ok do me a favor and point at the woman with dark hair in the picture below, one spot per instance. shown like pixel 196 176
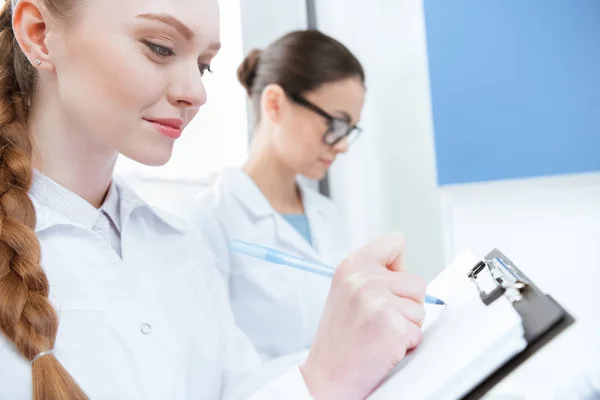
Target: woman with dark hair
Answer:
pixel 307 91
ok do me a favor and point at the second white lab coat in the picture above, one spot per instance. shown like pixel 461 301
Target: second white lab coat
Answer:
pixel 277 307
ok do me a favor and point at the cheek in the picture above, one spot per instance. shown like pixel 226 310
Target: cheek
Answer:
pixel 300 143
pixel 311 139
pixel 295 137
pixel 107 85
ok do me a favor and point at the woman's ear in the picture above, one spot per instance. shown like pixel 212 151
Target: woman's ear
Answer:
pixel 273 102
pixel 29 27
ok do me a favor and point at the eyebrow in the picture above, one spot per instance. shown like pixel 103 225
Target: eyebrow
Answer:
pixel 172 21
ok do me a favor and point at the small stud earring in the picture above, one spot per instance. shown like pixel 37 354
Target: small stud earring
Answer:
pixel 37 61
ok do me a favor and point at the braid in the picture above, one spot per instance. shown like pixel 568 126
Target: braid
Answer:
pixel 26 316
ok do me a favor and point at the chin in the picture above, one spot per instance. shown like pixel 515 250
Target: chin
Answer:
pixel 154 157
pixel 315 175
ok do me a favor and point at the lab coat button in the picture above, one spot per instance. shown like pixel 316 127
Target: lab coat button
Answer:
pixel 146 329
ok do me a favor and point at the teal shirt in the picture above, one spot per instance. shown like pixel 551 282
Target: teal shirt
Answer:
pixel 300 223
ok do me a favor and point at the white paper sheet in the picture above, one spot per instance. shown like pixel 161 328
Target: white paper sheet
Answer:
pixel 464 341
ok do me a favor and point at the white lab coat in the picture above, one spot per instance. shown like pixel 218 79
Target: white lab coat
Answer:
pixel 277 307
pixel 155 324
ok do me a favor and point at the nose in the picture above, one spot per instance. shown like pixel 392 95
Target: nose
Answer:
pixel 341 146
pixel 187 89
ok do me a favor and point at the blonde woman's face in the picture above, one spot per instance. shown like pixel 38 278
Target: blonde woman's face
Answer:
pixel 129 73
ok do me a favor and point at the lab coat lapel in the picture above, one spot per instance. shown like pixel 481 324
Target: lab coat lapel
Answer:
pixel 322 227
pixel 249 196
pixel 290 240
pixel 317 222
pixel 287 239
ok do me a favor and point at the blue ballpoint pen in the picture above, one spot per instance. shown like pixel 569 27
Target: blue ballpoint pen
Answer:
pixel 277 257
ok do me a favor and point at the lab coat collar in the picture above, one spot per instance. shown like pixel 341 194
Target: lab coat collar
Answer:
pixel 246 192
pixel 251 197
pixel 313 200
pixel 54 196
pixel 48 216
pixel 112 206
pixel 243 188
pixel 131 201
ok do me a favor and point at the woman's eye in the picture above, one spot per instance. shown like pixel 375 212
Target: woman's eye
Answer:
pixel 204 68
pixel 163 51
pixel 159 50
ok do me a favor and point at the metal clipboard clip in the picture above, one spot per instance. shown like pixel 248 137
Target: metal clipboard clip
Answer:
pixel 496 277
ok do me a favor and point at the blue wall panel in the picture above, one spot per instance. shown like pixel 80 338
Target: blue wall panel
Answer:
pixel 515 87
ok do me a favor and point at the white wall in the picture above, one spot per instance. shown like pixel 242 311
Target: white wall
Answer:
pixel 388 180
pixel 265 20
pixel 550 227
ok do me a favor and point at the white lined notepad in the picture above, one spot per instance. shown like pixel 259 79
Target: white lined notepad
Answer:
pixel 462 345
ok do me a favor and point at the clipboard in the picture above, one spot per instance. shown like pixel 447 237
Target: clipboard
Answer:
pixel 543 318
pixel 499 319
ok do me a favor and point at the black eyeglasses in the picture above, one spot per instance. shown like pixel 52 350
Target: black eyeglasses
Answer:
pixel 339 128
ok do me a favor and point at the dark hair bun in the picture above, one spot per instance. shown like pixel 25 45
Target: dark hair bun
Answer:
pixel 247 70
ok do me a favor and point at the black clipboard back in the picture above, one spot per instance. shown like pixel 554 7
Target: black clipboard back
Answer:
pixel 543 318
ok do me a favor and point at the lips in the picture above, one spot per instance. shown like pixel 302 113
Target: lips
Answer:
pixel 170 127
pixel 326 162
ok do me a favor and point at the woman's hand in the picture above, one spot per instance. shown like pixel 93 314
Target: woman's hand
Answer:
pixel 373 316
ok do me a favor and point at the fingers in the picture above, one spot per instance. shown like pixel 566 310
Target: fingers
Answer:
pixel 408 335
pixel 414 336
pixel 404 284
pixel 387 251
pixel 411 310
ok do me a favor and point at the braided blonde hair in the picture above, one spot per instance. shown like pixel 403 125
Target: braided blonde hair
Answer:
pixel 26 316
